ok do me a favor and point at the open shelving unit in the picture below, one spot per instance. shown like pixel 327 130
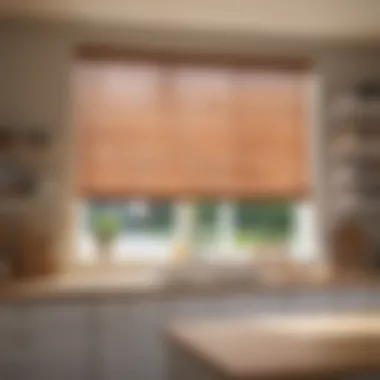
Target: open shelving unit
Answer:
pixel 25 168
pixel 354 173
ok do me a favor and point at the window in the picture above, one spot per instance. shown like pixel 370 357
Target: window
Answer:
pixel 145 229
pixel 160 231
pixel 175 160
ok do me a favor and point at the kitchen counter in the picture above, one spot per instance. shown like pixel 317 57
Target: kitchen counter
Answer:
pixel 328 346
pixel 153 282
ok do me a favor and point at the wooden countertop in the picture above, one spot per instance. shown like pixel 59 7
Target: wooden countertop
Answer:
pixel 284 347
pixel 84 283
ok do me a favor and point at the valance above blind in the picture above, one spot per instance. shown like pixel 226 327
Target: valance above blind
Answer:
pixel 156 130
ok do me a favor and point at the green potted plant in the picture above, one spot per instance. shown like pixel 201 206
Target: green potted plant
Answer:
pixel 105 226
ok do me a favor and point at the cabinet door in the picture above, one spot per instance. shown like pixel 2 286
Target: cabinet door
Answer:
pixel 132 340
pixel 245 305
pixel 13 343
pixel 373 298
pixel 228 306
pixel 307 301
pixel 349 300
pixel 59 342
pixel 198 307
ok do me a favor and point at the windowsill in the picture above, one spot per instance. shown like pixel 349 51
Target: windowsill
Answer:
pixel 195 270
pixel 150 282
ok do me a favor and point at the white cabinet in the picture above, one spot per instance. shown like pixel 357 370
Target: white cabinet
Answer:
pixel 306 301
pixel 348 300
pixel 245 305
pixel 201 307
pixel 373 298
pixel 132 340
pixel 123 338
pixel 59 341
pixel 13 343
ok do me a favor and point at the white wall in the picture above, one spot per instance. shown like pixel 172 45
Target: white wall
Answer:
pixel 35 72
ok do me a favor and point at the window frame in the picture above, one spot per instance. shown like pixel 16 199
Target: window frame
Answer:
pixel 101 52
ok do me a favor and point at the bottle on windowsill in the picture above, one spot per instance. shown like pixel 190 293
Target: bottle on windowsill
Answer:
pixel 180 254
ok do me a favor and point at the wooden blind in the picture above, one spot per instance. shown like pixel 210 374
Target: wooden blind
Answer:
pixel 150 129
pixel 272 133
pixel 204 122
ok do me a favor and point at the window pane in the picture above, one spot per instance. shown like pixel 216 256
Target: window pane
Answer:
pixel 150 217
pixel 206 218
pixel 263 223
pixel 154 229
pixel 144 228
pixel 136 216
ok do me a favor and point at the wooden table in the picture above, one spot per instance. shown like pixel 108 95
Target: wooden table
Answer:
pixel 337 346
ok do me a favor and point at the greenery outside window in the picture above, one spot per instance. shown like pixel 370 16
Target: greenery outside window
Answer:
pixel 162 231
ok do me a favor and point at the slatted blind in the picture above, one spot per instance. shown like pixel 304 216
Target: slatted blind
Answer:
pixel 150 129
pixel 204 121
pixel 272 133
